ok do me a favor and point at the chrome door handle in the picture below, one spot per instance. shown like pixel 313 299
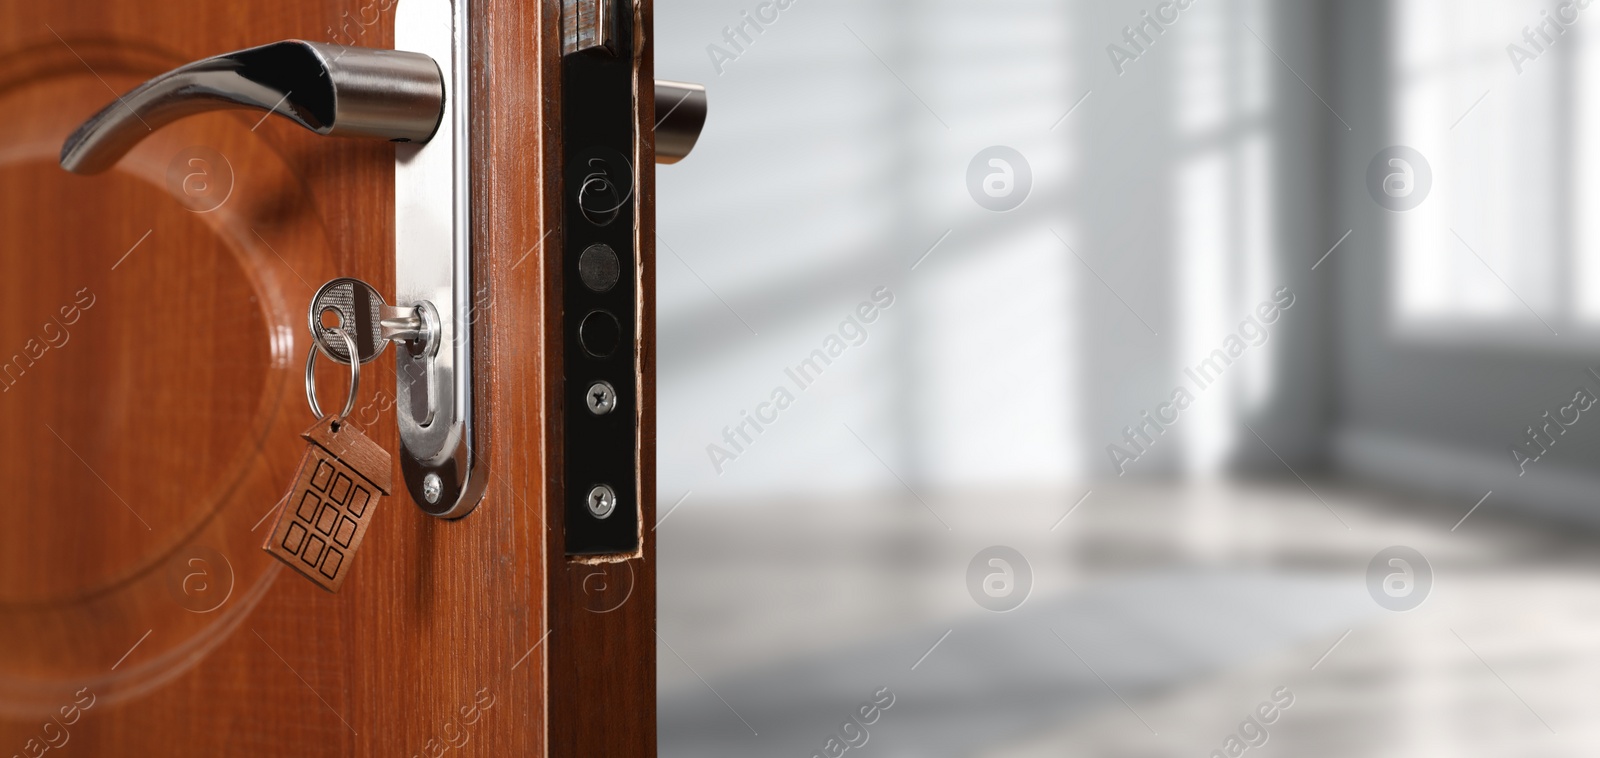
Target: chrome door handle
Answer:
pixel 332 90
pixel 680 116
pixel 418 97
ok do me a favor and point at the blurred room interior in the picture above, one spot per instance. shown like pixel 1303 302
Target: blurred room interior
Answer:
pixel 1419 383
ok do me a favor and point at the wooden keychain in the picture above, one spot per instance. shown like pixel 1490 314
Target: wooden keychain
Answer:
pixel 336 490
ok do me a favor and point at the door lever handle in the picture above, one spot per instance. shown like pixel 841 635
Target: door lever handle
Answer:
pixel 329 89
pixel 680 117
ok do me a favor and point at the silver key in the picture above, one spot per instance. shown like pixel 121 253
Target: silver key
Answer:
pixel 356 307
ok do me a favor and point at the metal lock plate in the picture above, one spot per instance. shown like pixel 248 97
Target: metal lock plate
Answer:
pixel 433 264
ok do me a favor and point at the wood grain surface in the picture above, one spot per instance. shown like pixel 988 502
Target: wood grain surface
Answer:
pixel 152 334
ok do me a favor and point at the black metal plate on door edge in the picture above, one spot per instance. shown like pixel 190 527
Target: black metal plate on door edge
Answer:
pixel 600 211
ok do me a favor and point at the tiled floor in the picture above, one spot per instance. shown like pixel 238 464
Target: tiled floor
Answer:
pixel 1159 618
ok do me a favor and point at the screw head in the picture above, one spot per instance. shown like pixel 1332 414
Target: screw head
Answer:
pixel 432 487
pixel 602 501
pixel 601 398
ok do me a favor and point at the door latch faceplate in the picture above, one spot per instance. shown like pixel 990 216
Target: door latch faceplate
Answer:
pixel 600 278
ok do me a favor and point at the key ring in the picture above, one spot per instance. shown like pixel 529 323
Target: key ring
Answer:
pixel 311 375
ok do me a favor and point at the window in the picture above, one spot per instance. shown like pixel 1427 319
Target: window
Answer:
pixel 1223 228
pixel 1490 98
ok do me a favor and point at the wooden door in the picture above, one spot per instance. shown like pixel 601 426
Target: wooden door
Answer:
pixel 152 340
